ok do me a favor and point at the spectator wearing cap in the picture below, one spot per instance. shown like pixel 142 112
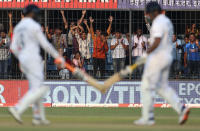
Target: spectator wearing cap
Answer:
pixel 4 54
pixel 119 45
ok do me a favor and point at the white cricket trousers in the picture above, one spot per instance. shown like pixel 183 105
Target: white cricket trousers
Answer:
pixel 155 80
pixel 34 73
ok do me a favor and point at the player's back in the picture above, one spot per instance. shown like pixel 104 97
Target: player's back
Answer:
pixel 162 27
pixel 25 43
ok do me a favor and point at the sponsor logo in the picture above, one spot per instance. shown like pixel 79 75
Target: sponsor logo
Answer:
pixel 76 93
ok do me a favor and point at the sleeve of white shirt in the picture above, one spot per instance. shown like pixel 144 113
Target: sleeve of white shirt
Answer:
pixel 7 43
pixel 14 47
pixel 145 39
pixel 45 44
pixel 148 27
pixel 64 36
pixel 157 30
pixel 126 42
pixel 179 42
pixel 132 41
pixel 88 38
pixel 70 35
pixel 78 37
pixel 113 42
pixel 135 40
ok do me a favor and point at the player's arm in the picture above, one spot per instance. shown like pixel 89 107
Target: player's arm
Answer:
pixel 157 33
pixel 154 46
pixel 59 60
pixel 45 44
pixel 14 46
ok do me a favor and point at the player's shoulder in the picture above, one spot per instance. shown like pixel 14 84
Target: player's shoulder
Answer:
pixel 161 19
pixel 35 24
pixel 29 24
pixel 32 24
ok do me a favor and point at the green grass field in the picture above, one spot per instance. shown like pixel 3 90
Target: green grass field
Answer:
pixel 100 119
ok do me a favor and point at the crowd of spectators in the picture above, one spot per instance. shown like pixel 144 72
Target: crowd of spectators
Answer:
pixel 93 50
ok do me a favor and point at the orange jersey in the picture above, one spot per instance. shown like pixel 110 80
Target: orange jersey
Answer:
pixel 99 48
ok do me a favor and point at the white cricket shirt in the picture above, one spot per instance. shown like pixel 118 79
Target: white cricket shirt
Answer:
pixel 27 39
pixel 162 28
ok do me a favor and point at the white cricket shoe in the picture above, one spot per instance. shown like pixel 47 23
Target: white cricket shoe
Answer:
pixel 37 122
pixel 185 111
pixel 15 114
pixel 142 122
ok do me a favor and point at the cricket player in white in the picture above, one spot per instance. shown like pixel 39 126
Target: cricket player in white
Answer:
pixel 27 39
pixel 159 59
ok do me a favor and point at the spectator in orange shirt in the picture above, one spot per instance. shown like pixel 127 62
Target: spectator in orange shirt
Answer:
pixel 100 48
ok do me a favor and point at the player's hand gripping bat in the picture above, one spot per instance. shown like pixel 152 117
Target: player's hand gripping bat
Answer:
pixel 81 75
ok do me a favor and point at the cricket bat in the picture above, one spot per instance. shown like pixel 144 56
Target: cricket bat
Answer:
pixel 82 75
pixel 122 74
pixel 87 78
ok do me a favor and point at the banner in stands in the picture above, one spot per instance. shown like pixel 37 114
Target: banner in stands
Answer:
pixel 166 4
pixel 102 4
pixel 80 94
pixel 72 4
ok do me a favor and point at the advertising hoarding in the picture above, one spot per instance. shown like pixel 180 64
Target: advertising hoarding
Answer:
pixel 80 94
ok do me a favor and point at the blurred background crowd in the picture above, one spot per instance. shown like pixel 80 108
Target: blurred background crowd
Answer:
pixel 99 49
